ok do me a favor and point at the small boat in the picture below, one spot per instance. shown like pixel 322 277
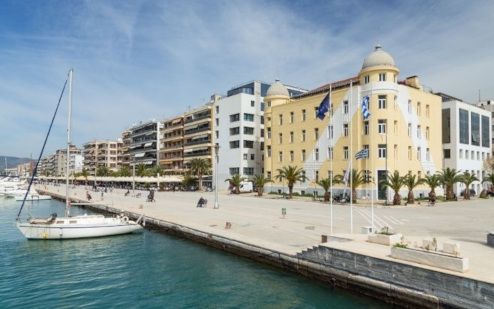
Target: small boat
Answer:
pixel 33 197
pixel 72 227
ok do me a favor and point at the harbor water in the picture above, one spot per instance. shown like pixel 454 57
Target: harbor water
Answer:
pixel 145 270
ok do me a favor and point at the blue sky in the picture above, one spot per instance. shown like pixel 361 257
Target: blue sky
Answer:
pixel 139 60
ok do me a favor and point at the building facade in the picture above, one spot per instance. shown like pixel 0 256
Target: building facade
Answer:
pixel 488 105
pixel 102 153
pixel 172 145
pixel 466 137
pixel 239 130
pixel 126 141
pixel 403 131
pixel 144 145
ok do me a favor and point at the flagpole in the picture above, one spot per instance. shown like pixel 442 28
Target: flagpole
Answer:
pixel 331 162
pixel 351 156
pixel 370 158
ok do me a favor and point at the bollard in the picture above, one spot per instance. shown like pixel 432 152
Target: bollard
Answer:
pixel 324 238
pixel 283 212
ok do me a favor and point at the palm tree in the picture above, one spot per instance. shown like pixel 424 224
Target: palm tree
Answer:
pixel 467 179
pixel 326 185
pixel 411 181
pixel 188 180
pixel 124 171
pixel 395 182
pixel 489 178
pixel 260 181
pixel 154 171
pixel 358 179
pixel 200 167
pixel 449 177
pixel 292 174
pixel 142 170
pixel 235 182
pixel 433 181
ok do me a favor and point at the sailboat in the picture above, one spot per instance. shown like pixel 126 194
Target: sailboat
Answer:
pixel 72 227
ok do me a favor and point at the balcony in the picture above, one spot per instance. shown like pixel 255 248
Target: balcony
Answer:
pixel 197 142
pixel 197 154
pixel 197 130
pixel 198 117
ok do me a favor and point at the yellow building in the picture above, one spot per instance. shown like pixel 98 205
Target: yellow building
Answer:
pixel 402 133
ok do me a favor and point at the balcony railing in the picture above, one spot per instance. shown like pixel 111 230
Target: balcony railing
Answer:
pixel 197 142
pixel 197 154
pixel 196 130
pixel 189 120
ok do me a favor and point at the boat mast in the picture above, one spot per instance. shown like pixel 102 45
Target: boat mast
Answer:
pixel 67 157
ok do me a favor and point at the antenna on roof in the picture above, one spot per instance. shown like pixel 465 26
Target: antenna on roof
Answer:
pixel 479 95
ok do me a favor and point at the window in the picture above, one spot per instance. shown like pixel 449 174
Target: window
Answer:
pixel 345 107
pixel 447 153
pixel 446 126
pixel 269 174
pixel 234 144
pixel 381 126
pixel 252 103
pixel 304 115
pixel 317 176
pixel 249 130
pixel 280 119
pixel 234 117
pixel 381 101
pixel 280 156
pixel 409 130
pixel 330 152
pixel 217 134
pixel 248 144
pixel 461 154
pixel 409 106
pixel 464 130
pixel 395 126
pixel 427 154
pixel 268 149
pixel 252 156
pixel 330 132
pixel 330 174
pixel 395 151
pixel 303 135
pixel 262 132
pixel 234 171
pixel 315 111
pixel 418 108
pixel 475 134
pixel 291 117
pixel 419 135
pixel 248 171
pixel 427 111
pixel 345 152
pixel 466 154
pixel 381 151
pixel 316 133
pixel 366 127
pixel 409 152
pixel 366 79
pixel 280 138
pixel 246 156
pixel 368 150
pixel 262 106
pixel 262 119
pixel 419 153
pixel 217 122
pixel 382 77
pixel 217 109
pixel 303 155
pixel 235 131
pixel 291 137
pixel 248 117
pixel 291 156
pixel 316 154
pixel 345 129
pixel 269 132
pixel 485 131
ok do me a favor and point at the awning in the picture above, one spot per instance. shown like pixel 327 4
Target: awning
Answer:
pixel 148 144
pixel 139 155
pixel 176 121
pixel 199 137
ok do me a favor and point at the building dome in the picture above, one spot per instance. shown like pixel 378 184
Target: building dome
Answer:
pixel 378 57
pixel 277 89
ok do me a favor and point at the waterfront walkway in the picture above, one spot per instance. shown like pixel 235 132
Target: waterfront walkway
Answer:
pixel 259 221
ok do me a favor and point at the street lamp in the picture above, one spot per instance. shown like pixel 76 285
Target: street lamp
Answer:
pixel 216 150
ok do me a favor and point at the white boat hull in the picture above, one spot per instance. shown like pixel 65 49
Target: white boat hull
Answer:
pixel 77 227
pixel 33 197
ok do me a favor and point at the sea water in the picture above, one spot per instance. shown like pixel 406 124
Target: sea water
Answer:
pixel 144 270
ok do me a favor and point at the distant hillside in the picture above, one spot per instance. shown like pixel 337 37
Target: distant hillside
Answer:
pixel 11 161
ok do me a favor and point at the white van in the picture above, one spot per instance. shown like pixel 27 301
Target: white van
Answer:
pixel 246 186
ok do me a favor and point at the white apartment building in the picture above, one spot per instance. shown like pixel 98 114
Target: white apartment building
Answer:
pixel 466 137
pixel 239 130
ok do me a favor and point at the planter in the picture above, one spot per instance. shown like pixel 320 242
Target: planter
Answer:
pixel 383 239
pixel 435 259
pixel 490 239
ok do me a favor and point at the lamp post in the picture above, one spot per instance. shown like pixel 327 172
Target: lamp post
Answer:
pixel 216 150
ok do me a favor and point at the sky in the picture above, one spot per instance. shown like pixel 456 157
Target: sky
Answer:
pixel 141 60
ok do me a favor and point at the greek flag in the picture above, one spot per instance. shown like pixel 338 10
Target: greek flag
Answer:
pixel 365 107
pixel 323 107
pixel 362 154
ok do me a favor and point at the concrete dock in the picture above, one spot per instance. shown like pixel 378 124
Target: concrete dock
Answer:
pixel 257 229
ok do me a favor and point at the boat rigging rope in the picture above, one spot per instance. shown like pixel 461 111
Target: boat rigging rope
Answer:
pixel 42 150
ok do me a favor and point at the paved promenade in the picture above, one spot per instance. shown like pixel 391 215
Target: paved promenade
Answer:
pixel 259 221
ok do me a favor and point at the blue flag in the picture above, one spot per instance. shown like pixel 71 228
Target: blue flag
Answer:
pixel 323 107
pixel 365 107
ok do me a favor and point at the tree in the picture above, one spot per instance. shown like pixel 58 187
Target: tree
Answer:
pixel 85 174
pixel 235 182
pixel 467 179
pixel 154 171
pixel 124 171
pixel 260 181
pixel 102 171
pixel 489 178
pixel 394 182
pixel 292 174
pixel 142 170
pixel 200 167
pixel 411 181
pixel 433 181
pixel 188 181
pixel 449 177
pixel 358 179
